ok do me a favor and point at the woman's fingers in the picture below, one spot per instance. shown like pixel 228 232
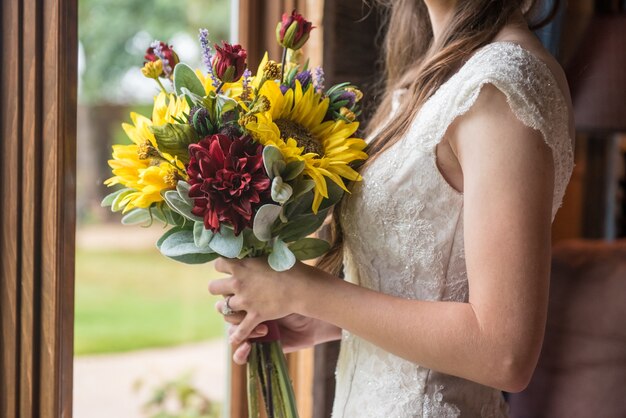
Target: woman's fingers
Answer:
pixel 259 331
pixel 224 286
pixel 235 318
pixel 240 356
pixel 244 329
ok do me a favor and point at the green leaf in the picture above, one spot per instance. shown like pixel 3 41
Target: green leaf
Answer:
pixel 302 226
pixel 178 204
pixel 137 216
pixel 201 235
pixel 281 257
pixel 293 170
pixel 180 245
pixel 281 191
pixel 300 204
pixel 335 193
pixel 271 155
pixel 225 104
pixel 174 139
pixel 196 258
pixel 168 233
pixel 108 199
pixel 226 244
pixel 182 187
pixel 188 258
pixel 117 205
pixel 264 221
pixel 301 186
pixel 309 248
pixel 184 76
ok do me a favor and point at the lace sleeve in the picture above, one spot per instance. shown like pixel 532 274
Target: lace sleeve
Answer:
pixel 531 91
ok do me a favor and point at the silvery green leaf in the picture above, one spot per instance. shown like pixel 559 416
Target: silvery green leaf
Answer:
pixel 278 167
pixel 309 248
pixel 185 76
pixel 195 99
pixel 177 203
pixel 182 187
pixel 281 258
pixel 293 170
pixel 181 243
pixel 137 216
pixel 281 191
pixel 201 235
pixel 117 205
pixel 226 244
pixel 108 199
pixel 225 103
pixel 264 220
pixel 271 155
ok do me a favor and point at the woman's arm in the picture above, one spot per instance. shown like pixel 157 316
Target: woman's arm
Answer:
pixel 494 339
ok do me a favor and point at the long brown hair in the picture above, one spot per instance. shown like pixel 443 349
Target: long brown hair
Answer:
pixel 414 61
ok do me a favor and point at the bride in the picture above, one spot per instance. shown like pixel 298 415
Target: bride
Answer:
pixel 445 244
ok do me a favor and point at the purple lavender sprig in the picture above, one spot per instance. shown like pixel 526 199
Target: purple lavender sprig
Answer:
pixel 167 69
pixel 319 79
pixel 207 56
pixel 245 95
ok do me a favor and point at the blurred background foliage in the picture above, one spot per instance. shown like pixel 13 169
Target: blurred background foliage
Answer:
pixel 114 35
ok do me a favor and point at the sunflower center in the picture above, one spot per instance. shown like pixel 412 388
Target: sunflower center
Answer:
pixel 302 136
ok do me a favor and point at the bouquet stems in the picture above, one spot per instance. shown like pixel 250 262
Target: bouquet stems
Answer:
pixel 267 373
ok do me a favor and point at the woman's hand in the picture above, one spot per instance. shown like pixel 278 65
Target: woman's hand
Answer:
pixel 296 332
pixel 258 293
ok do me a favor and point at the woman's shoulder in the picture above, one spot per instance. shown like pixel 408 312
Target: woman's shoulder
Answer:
pixel 524 70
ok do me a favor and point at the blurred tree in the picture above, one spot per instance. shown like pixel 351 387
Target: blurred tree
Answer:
pixel 115 33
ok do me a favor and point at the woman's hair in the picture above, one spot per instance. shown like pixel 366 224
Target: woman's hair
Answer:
pixel 413 61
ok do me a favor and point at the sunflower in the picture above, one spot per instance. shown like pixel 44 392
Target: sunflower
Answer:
pixel 295 124
pixel 141 166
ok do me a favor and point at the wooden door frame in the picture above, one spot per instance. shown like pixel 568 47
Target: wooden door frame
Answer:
pixel 38 78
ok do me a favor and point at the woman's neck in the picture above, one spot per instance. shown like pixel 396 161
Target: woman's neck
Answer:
pixel 440 12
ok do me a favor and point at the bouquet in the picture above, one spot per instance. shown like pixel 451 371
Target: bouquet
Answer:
pixel 240 165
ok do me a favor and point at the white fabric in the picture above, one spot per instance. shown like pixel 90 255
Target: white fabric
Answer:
pixel 403 229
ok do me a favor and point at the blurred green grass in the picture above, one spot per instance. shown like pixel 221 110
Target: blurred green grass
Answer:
pixel 129 300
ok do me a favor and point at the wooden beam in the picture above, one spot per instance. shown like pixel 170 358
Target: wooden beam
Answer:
pixel 38 124
pixel 10 128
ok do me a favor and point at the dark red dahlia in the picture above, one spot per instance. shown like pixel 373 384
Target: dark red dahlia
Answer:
pixel 228 181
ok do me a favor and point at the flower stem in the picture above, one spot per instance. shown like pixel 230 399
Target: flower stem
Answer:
pixel 219 88
pixel 161 85
pixel 253 381
pixel 282 67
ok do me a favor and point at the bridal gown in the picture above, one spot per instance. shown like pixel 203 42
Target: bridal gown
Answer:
pixel 403 229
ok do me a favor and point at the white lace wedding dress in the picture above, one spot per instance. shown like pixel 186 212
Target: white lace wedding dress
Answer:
pixel 403 227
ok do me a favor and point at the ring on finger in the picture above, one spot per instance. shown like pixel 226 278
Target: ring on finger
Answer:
pixel 226 309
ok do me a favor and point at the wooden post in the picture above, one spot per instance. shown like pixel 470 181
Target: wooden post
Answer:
pixel 37 164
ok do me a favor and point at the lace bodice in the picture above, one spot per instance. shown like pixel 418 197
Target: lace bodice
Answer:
pixel 403 229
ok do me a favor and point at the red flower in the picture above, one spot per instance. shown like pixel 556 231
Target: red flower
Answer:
pixel 228 181
pixel 293 31
pixel 167 52
pixel 229 62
